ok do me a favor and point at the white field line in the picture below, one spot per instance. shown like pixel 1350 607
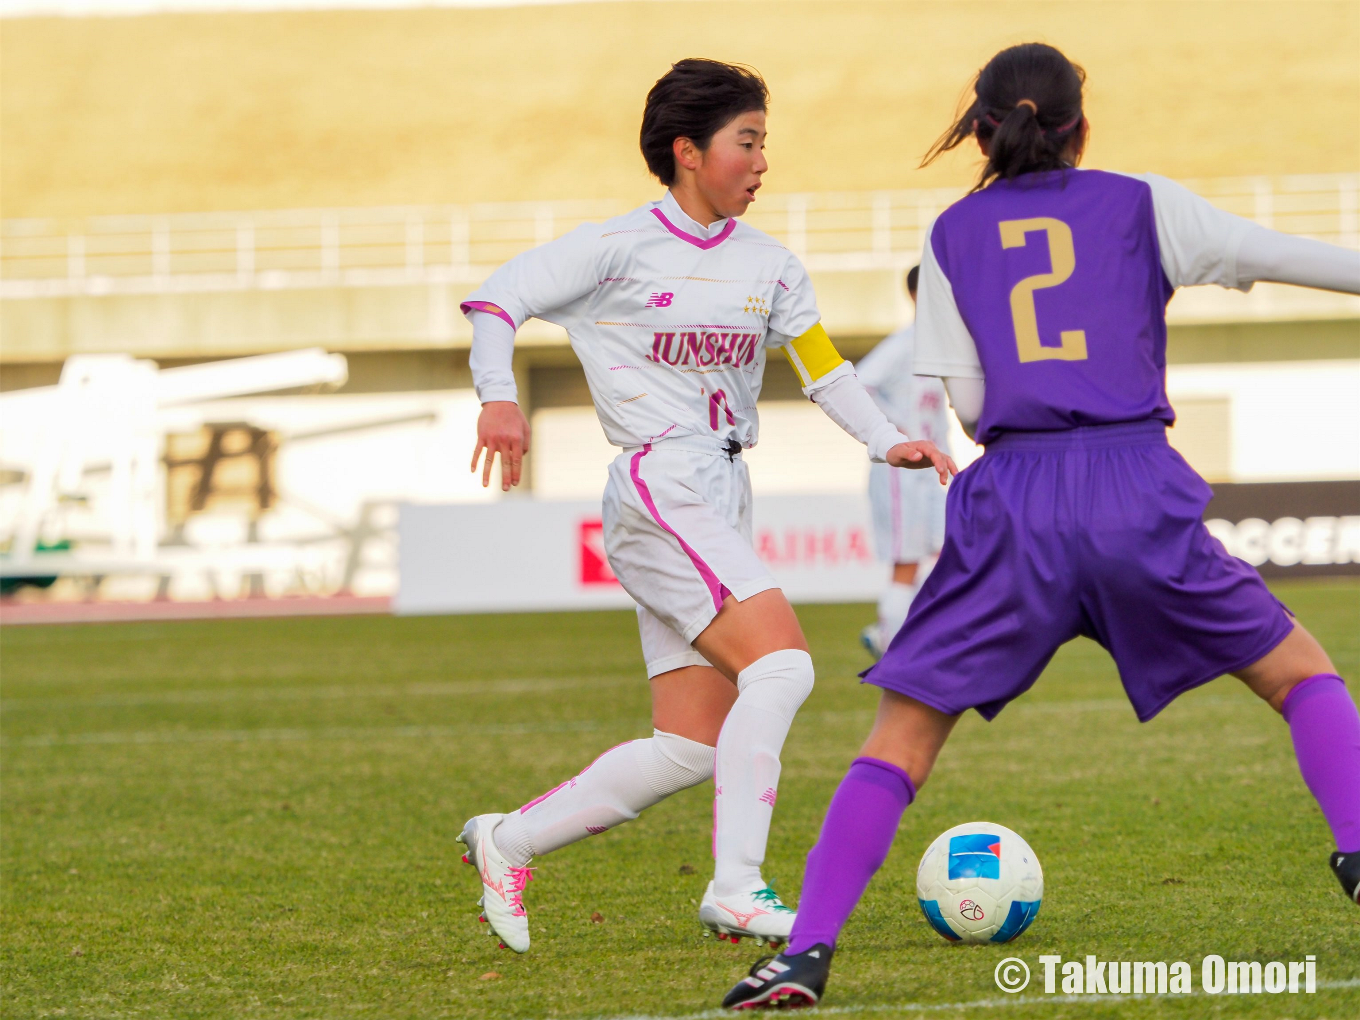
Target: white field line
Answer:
pixel 322 733
pixel 182 736
pixel 319 693
pixel 949 1007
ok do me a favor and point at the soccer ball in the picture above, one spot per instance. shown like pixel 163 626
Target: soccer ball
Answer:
pixel 979 882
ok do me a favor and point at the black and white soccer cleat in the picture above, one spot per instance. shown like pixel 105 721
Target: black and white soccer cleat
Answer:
pixel 1346 867
pixel 784 982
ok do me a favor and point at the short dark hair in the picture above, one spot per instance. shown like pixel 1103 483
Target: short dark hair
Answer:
pixel 693 100
pixel 1027 104
pixel 913 274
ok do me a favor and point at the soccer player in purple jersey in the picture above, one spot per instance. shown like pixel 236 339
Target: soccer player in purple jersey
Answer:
pixel 1042 305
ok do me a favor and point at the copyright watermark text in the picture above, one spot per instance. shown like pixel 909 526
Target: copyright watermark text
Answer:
pixel 1093 976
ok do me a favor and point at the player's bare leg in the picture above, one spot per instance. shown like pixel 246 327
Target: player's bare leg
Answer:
pixel 759 645
pixel 1298 680
pixel 1293 660
pixel 692 701
pixel 908 734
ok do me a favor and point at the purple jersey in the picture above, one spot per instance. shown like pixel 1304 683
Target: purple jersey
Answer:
pixel 1059 280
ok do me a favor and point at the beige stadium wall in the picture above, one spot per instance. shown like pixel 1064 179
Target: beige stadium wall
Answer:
pixel 268 110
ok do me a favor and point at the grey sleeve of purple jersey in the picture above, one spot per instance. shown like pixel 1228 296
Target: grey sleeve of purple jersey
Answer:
pixel 1198 241
pixel 944 347
pixel 1201 243
pixel 1283 258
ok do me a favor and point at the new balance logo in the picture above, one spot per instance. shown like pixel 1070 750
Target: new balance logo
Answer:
pixel 660 300
pixel 769 796
pixel 595 830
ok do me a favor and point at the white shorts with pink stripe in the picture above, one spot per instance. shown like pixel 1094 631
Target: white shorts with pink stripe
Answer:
pixel 677 531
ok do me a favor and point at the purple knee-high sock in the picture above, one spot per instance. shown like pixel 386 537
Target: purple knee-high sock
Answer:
pixel 1326 729
pixel 859 828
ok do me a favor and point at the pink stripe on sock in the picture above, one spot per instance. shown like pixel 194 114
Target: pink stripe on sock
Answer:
pixel 698 242
pixel 542 797
pixel 717 791
pixel 715 587
pixel 487 306
pixel 602 754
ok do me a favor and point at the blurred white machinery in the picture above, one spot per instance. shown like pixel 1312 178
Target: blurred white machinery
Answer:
pixel 88 454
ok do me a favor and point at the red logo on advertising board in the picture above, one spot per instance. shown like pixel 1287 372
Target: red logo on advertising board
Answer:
pixel 814 547
pixel 594 566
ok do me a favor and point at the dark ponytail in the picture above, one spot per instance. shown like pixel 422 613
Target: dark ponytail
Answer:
pixel 1026 104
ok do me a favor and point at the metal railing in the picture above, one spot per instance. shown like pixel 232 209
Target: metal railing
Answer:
pixel 386 246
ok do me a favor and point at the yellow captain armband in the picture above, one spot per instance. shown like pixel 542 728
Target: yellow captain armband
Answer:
pixel 813 355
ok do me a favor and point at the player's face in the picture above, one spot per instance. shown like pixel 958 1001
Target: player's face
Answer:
pixel 728 172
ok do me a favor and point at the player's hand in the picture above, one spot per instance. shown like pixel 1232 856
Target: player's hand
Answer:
pixel 922 454
pixel 501 429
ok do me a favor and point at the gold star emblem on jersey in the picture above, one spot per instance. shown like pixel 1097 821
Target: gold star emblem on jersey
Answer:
pixel 756 306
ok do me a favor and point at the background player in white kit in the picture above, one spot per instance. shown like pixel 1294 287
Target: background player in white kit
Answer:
pixel 908 515
pixel 671 309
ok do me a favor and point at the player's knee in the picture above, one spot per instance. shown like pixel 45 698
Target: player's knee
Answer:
pixel 784 680
pixel 1295 659
pixel 672 763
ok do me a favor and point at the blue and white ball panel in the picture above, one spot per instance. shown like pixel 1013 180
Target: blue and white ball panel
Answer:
pixel 975 855
pixel 979 882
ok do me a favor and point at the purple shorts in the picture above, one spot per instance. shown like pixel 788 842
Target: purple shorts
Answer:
pixel 1094 531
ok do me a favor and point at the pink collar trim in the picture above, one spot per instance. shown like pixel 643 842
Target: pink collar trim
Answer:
pixel 698 242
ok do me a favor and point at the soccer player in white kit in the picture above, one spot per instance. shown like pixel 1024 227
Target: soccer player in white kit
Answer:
pixel 908 516
pixel 672 309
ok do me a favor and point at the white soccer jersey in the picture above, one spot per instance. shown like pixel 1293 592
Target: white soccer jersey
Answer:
pixel 914 403
pixel 671 320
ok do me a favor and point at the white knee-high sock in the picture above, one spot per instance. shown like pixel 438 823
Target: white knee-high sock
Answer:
pixel 893 606
pixel 747 775
pixel 614 788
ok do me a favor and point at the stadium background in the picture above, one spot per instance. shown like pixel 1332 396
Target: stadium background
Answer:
pixel 140 151
pixel 253 818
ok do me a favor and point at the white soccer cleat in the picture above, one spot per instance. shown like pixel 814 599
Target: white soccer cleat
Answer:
pixel 502 899
pixel 759 915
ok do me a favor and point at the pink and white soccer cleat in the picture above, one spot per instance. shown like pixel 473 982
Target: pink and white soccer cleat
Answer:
pixel 759 915
pixel 502 883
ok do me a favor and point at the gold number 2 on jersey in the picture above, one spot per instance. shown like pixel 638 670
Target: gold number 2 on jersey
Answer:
pixel 1063 259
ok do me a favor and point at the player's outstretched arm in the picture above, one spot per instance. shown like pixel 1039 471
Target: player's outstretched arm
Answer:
pixel 1200 243
pixel 501 429
pixel 830 382
pixel 922 454
pixel 1270 255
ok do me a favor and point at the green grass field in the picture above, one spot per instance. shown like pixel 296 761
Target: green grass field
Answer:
pixel 256 819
